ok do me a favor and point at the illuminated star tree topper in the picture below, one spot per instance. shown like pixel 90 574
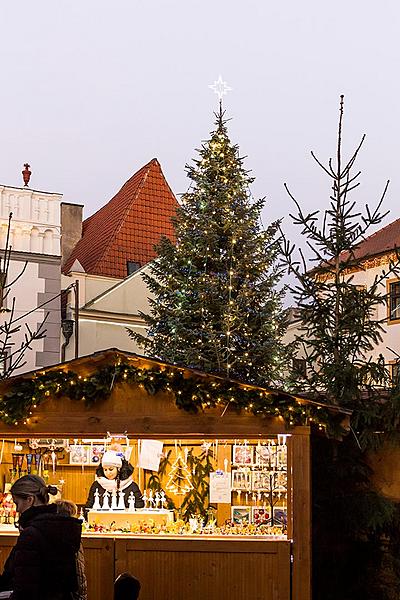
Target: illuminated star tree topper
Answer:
pixel 220 88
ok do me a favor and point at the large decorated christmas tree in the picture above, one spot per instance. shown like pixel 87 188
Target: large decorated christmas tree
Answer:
pixel 215 305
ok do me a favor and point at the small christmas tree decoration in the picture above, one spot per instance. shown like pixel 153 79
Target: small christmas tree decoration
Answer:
pixel 179 479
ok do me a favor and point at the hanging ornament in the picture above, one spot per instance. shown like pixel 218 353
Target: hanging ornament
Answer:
pixel 53 460
pixel 179 479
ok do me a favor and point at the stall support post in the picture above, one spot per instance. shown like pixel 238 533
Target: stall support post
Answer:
pixel 301 573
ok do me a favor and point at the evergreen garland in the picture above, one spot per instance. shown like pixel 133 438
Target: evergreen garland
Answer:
pixel 192 394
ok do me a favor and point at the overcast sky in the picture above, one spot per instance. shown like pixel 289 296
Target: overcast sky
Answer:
pixel 93 89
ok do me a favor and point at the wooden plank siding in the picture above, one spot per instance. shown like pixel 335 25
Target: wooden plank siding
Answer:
pixel 206 569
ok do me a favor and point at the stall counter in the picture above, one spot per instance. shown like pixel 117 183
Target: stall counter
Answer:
pixel 182 567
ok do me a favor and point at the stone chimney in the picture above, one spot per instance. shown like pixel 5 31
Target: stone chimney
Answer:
pixel 71 228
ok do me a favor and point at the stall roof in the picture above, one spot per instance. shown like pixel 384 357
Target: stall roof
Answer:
pixel 55 380
pixel 89 363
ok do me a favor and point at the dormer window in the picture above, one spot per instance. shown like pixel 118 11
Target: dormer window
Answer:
pixel 132 266
pixel 395 373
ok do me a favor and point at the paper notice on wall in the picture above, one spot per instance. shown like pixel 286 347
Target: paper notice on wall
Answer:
pixel 150 454
pixel 220 487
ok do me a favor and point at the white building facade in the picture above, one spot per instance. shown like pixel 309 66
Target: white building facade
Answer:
pixel 34 237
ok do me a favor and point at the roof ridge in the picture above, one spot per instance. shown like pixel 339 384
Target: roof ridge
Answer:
pixel 118 226
pixel 122 186
pixel 139 189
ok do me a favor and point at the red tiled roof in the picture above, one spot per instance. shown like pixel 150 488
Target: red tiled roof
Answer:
pixel 128 226
pixel 383 240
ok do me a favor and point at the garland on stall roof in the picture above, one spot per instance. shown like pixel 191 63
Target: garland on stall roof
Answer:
pixel 192 394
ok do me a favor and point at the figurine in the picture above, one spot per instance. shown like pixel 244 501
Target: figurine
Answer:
pixel 114 500
pixel 162 499
pixel 96 505
pixel 131 502
pixel 106 505
pixel 121 500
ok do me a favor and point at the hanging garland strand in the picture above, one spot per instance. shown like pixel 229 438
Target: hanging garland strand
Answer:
pixel 192 394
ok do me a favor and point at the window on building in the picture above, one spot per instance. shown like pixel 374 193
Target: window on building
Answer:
pixel 300 367
pixel 394 301
pixel 395 373
pixel 132 266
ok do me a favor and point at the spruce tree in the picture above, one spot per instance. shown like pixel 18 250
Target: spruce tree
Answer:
pixel 338 327
pixel 355 529
pixel 216 306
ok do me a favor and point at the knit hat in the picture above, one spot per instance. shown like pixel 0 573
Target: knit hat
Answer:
pixel 111 459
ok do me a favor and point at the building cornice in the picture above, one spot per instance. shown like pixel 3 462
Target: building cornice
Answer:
pixel 29 190
pixel 102 316
pixel 33 257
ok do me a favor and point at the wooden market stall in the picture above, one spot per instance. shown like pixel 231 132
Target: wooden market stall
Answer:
pixel 111 391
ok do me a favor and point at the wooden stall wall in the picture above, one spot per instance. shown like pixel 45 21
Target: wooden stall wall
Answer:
pixel 206 569
pixel 100 567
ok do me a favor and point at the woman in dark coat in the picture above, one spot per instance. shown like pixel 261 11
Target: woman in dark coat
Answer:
pixel 41 566
pixel 114 474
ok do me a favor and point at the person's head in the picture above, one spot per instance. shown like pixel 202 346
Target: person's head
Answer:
pixel 126 587
pixel 67 508
pixel 31 490
pixel 111 463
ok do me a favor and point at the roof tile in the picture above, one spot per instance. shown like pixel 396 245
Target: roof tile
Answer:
pixel 383 240
pixel 128 226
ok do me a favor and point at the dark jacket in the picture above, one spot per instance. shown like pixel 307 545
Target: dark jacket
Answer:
pixel 133 487
pixel 42 564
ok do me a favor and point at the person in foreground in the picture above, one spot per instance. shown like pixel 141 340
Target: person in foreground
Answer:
pixel 69 509
pixel 126 587
pixel 42 564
